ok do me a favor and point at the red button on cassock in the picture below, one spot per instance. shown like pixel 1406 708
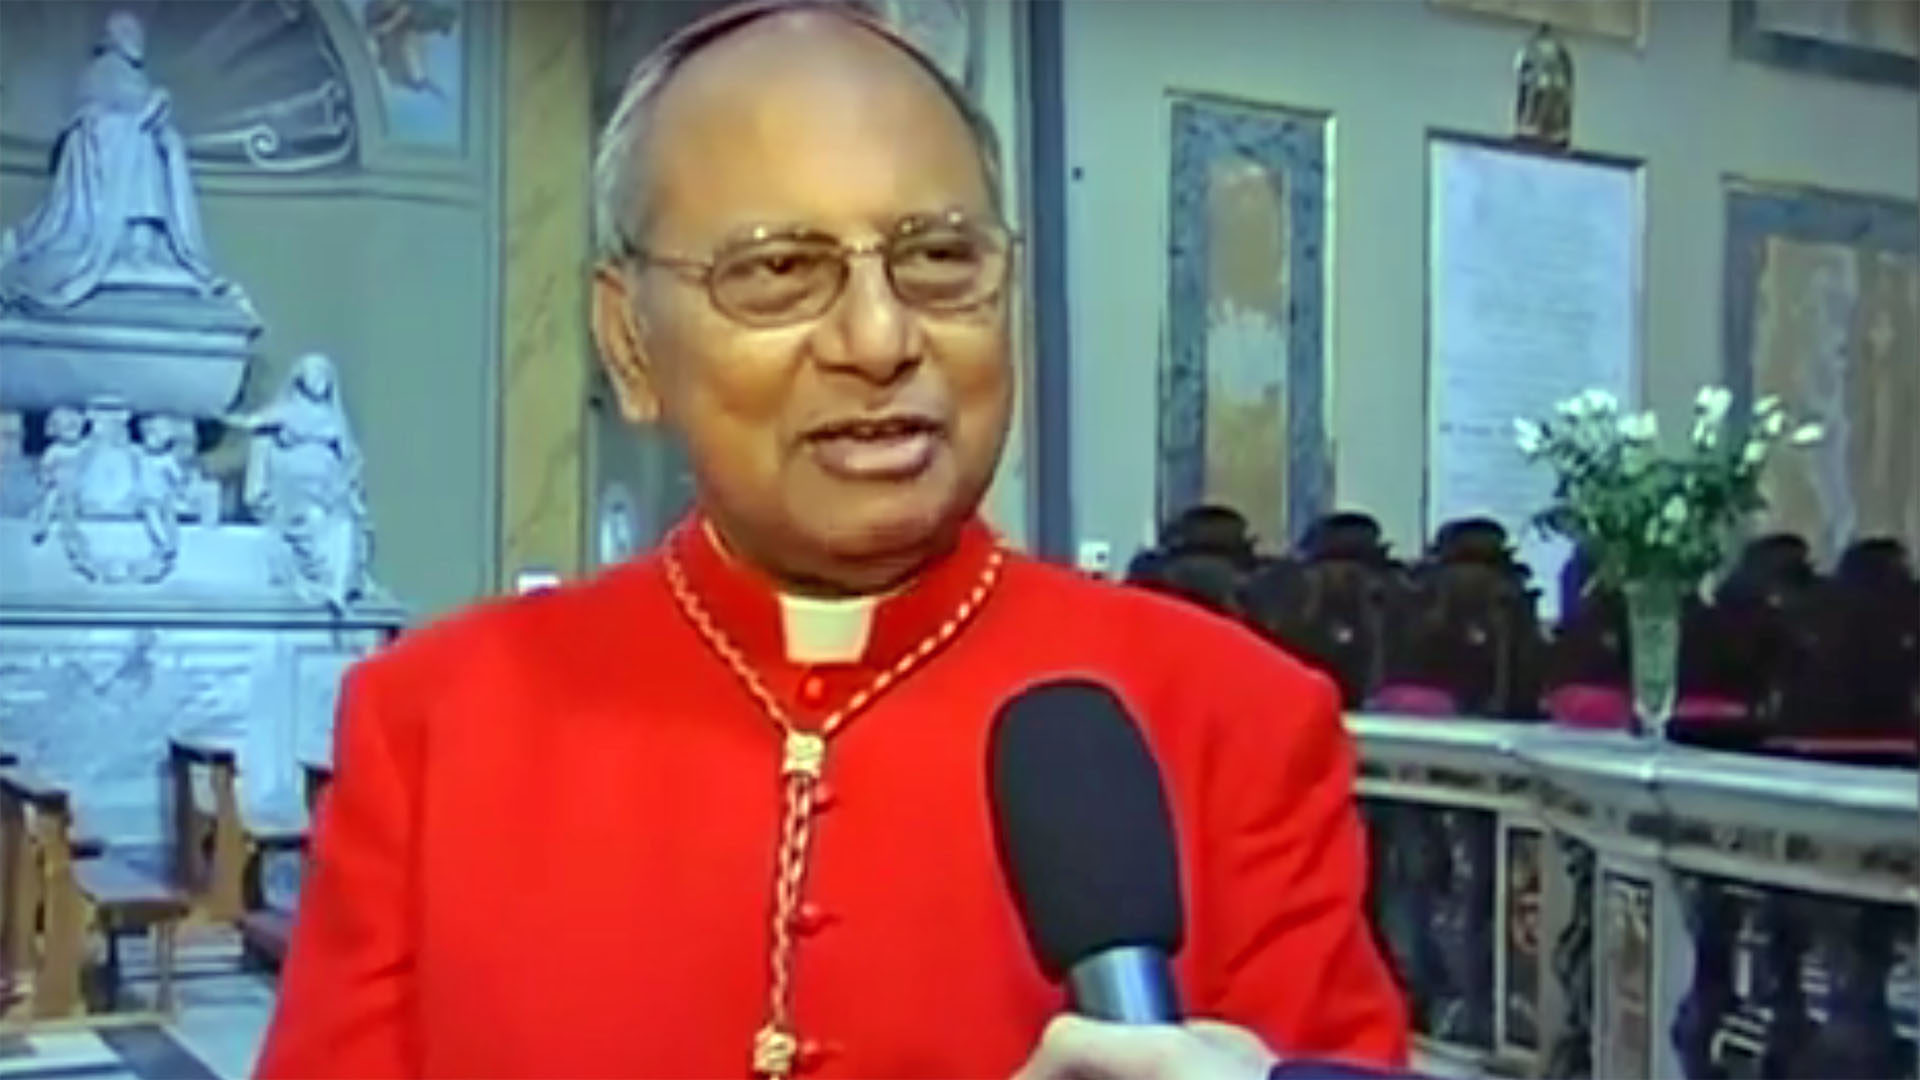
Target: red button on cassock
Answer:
pixel 813 689
pixel 811 918
pixel 824 796
pixel 814 1053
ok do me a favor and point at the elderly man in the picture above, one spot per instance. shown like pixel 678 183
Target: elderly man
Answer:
pixel 722 811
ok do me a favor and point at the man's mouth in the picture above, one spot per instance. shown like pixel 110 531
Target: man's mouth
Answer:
pixel 875 448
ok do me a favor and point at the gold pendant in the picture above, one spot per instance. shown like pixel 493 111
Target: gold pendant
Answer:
pixel 773 1052
pixel 805 752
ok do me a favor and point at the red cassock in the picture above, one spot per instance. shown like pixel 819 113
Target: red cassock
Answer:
pixel 549 848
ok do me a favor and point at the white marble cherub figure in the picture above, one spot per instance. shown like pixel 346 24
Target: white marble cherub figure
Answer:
pixel 303 481
pixel 59 470
pixel 200 491
pixel 163 482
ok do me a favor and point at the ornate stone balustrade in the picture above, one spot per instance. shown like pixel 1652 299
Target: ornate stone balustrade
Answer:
pixel 1576 904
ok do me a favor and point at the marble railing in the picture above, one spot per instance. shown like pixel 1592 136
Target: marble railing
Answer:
pixel 1579 904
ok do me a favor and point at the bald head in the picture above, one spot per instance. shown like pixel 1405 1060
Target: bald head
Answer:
pixel 756 75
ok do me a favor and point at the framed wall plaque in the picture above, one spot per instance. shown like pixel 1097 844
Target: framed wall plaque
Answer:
pixel 1823 310
pixel 1619 20
pixel 1243 380
pixel 1874 41
pixel 1534 271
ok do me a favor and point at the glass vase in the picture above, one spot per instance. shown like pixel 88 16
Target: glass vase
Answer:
pixel 1653 644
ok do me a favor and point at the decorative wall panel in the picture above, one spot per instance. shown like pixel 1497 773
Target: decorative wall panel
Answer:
pixel 1242 403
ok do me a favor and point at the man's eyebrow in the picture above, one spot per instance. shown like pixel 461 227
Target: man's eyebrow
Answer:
pixel 890 225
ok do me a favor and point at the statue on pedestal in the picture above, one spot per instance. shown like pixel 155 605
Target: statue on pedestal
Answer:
pixel 121 208
pixel 146 593
pixel 1543 105
pixel 303 482
pixel 110 314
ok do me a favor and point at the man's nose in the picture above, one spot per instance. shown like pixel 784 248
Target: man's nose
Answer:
pixel 870 332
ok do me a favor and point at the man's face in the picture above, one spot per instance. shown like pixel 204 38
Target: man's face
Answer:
pixel 827 448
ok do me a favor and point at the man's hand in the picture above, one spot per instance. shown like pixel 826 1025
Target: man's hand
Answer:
pixel 1074 1048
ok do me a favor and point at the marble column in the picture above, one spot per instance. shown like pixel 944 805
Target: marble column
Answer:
pixel 545 246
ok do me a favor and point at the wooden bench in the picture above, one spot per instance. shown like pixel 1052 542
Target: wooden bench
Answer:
pixel 264 929
pixel 221 853
pixel 54 897
pixel 41 933
pixel 209 851
pixel 218 851
pixel 125 899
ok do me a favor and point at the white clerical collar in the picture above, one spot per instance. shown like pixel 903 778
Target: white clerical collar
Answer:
pixel 773 626
pixel 826 631
pixel 817 631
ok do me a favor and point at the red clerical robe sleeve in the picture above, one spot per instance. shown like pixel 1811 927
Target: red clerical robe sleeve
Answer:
pixel 344 1007
pixel 1286 912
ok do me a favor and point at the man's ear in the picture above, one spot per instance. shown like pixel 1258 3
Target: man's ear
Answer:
pixel 622 345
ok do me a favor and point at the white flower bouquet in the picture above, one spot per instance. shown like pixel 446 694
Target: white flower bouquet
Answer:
pixel 1642 516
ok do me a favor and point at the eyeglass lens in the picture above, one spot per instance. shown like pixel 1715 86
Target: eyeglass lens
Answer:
pixel 780 280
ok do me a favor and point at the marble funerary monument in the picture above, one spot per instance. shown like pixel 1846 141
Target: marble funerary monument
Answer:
pixel 145 594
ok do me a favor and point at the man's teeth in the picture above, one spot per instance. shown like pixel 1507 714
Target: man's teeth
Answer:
pixel 885 429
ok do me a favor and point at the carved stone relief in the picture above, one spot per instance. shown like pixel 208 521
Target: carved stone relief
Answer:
pixel 92 708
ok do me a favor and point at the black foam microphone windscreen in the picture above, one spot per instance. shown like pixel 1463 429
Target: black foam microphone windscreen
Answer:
pixel 1085 837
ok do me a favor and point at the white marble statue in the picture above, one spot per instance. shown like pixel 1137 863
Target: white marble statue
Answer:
pixel 59 471
pixel 91 471
pixel 304 482
pixel 199 493
pixel 121 208
pixel 143 596
pixel 164 496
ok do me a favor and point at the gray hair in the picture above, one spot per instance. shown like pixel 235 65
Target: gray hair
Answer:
pixel 617 167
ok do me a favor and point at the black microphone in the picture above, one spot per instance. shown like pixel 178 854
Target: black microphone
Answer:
pixel 1086 842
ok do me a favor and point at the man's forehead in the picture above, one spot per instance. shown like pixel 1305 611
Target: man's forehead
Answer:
pixel 798 52
pixel 807 86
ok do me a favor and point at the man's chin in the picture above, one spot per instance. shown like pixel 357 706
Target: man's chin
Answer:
pixel 891 530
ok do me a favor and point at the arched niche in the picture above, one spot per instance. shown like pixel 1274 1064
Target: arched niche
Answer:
pixel 270 95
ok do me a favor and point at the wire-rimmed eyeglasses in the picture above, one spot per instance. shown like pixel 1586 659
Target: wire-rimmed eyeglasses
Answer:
pixel 942 264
